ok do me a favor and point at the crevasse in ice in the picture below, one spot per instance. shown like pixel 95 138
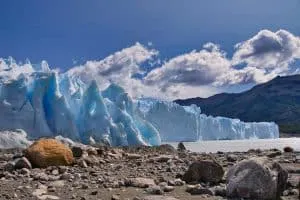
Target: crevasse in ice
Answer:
pixel 45 104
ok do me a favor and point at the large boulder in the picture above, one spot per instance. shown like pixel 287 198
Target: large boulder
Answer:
pixel 49 152
pixel 207 171
pixel 256 178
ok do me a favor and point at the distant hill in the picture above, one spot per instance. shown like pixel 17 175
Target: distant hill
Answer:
pixel 277 100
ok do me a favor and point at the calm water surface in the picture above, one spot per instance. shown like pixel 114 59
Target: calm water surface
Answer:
pixel 241 145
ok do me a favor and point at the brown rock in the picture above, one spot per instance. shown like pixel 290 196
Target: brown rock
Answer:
pixel 49 152
pixel 205 171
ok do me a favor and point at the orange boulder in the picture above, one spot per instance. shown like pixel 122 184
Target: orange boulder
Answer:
pixel 49 152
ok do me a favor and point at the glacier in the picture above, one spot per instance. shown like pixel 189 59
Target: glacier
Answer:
pixel 46 103
pixel 187 123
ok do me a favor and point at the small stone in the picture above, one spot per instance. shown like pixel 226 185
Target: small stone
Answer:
pixel 168 188
pixel 156 197
pixel 85 186
pixel 22 163
pixel 82 163
pixel 274 154
pixel 25 171
pixel 92 152
pixel 133 156
pixel 41 176
pixel 220 191
pixel 57 184
pixel 176 182
pixel 51 189
pixel 231 158
pixel 66 176
pixel 288 149
pixel 181 147
pixel 155 189
pixel 198 190
pixel 295 192
pixel 115 197
pixel 140 182
pixel 94 192
pixel 55 172
pixel 62 169
pixel 10 167
pixel 77 151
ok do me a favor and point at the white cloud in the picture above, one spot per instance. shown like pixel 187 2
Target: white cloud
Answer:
pixel 197 68
pixel 118 68
pixel 268 50
pixel 201 72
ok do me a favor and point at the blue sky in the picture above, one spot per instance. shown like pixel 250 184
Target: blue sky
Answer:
pixel 62 32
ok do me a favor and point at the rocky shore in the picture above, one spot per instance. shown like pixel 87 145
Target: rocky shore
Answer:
pixel 148 173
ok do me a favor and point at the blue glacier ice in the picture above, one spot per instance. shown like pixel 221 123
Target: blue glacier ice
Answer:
pixel 187 123
pixel 45 103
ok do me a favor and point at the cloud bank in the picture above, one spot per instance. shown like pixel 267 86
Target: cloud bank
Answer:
pixel 201 72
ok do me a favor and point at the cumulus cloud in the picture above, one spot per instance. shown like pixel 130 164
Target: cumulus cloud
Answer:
pixel 197 68
pixel 202 72
pixel 268 50
pixel 118 67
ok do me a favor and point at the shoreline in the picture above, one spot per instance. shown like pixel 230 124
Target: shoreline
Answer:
pixel 133 173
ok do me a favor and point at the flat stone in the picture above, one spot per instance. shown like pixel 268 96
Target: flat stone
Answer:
pixel 141 182
pixel 156 197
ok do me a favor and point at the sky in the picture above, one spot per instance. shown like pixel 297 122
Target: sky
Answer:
pixel 165 49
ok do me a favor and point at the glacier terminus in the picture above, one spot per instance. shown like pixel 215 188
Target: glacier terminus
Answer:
pixel 45 103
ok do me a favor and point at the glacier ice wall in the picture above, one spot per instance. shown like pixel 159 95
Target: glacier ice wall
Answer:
pixel 186 123
pixel 44 103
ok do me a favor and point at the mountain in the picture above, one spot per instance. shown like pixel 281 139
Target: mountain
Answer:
pixel 277 100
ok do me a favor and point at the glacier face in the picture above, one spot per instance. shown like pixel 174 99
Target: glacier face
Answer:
pixel 186 123
pixel 44 103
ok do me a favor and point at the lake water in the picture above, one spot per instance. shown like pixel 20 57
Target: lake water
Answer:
pixel 241 145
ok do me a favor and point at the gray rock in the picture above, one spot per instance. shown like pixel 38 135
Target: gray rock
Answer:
pixel 176 182
pixel 133 156
pixel 115 197
pixel 25 171
pixel 198 190
pixel 77 151
pixel 167 188
pixel 10 166
pixel 140 182
pixel 155 189
pixel 256 178
pixel 231 157
pixel 156 197
pixel 207 171
pixel 273 154
pixel 181 147
pixel 22 163
pixel 219 191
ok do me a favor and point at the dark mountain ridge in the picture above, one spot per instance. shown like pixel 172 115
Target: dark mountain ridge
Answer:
pixel 277 100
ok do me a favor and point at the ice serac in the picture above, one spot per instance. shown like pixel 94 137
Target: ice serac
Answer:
pixel 180 123
pixel 93 120
pixel 128 119
pixel 57 113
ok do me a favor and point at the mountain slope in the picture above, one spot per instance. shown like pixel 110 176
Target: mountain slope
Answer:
pixel 277 100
